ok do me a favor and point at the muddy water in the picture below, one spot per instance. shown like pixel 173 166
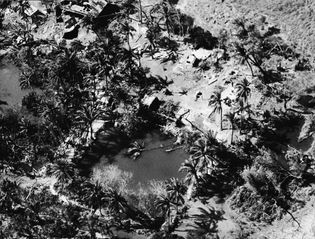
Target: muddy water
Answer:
pixel 10 90
pixel 154 163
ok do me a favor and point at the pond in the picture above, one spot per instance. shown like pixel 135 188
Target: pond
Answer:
pixel 153 164
pixel 10 90
pixel 157 162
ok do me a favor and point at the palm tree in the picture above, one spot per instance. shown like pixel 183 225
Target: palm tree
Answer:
pixel 120 205
pixel 241 108
pixel 88 113
pixel 94 195
pixel 242 32
pixel 206 222
pixel 176 190
pixel 243 55
pixel 243 89
pixel 202 153
pixel 231 118
pixel 116 201
pixel 135 150
pixel 63 170
pixel 69 69
pixel 216 102
pixel 165 204
pixel 191 168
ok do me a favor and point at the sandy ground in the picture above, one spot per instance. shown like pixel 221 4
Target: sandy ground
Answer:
pixel 212 16
pixel 227 228
pixel 190 79
pixel 186 78
pixel 295 17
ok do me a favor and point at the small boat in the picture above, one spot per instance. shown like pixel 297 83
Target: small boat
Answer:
pixel 172 149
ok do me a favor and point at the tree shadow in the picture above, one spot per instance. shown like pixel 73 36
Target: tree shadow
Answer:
pixel 206 222
pixel 108 142
pixel 217 184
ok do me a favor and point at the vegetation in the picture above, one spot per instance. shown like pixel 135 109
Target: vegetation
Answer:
pixel 216 101
pixel 86 101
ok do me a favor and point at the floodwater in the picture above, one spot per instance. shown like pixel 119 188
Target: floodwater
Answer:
pixel 154 163
pixel 10 90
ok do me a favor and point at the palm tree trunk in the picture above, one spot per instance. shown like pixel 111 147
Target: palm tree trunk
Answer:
pixel 221 117
pixel 100 209
pixel 169 216
pixel 91 130
pixel 106 82
pixel 140 10
pixel 258 65
pixel 250 67
pixel 196 177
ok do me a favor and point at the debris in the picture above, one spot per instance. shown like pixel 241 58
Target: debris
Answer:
pixel 72 33
pixel 202 54
pixel 210 83
pixel 70 22
pixel 167 92
pixel 198 95
pixel 183 92
pixel 152 102
pixel 173 149
pixel 196 62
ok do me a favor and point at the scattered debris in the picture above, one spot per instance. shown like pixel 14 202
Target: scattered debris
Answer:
pixel 152 102
pixel 72 33
pixel 198 95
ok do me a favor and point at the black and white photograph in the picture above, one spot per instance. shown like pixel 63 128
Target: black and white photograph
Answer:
pixel 157 119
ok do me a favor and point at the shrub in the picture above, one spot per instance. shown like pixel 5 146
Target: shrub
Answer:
pixel 276 45
pixel 146 197
pixel 254 207
pixel 111 177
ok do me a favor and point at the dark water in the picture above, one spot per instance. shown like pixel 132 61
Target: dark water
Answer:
pixel 10 90
pixel 155 164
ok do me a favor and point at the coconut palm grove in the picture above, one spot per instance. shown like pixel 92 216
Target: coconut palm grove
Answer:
pixel 157 119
